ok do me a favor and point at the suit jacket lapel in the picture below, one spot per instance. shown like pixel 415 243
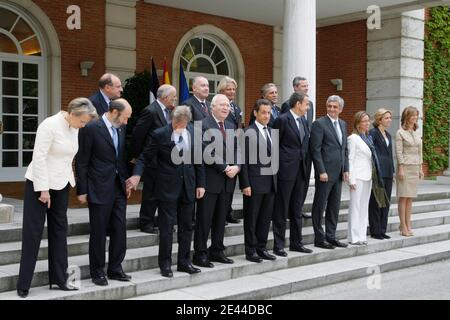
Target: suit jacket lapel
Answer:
pixel 105 133
pixel 160 114
pixel 331 127
pixel 294 126
pixel 104 104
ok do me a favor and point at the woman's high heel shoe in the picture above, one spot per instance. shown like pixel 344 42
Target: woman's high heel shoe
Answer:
pixel 63 287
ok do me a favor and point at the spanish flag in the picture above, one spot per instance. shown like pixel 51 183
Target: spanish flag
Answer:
pixel 166 79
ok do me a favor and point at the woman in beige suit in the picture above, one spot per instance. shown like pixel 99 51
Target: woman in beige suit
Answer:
pixel 408 147
pixel 48 178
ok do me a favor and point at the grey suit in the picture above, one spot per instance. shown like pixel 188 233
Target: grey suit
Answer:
pixel 331 157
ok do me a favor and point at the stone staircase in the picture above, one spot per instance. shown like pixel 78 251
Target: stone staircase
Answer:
pixel 243 279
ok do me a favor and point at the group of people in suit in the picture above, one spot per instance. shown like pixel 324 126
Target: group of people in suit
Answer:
pixel 197 195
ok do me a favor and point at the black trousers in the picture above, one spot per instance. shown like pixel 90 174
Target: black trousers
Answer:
pixel 34 212
pixel 171 213
pixel 326 194
pixel 149 203
pixel 378 217
pixel 230 208
pixel 288 204
pixel 258 210
pixel 211 214
pixel 111 217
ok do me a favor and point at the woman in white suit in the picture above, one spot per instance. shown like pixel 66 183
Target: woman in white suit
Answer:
pixel 360 179
pixel 47 183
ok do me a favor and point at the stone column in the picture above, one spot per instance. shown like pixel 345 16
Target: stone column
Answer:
pixel 395 68
pixel 299 45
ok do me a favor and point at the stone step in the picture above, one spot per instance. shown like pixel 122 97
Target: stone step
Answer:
pixel 147 257
pixel 246 280
pixel 272 284
pixel 79 218
pixel 79 245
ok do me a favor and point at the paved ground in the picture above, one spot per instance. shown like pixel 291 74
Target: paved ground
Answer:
pixel 425 282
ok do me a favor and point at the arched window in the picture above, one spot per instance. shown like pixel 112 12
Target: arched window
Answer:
pixel 205 56
pixel 21 91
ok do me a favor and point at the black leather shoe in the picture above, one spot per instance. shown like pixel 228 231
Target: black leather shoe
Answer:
pixel 306 215
pixel 100 281
pixel 205 263
pixel 149 229
pixel 385 236
pixel 231 219
pixel 324 245
pixel 337 243
pixel 120 276
pixel 22 293
pixel 63 287
pixel 188 269
pixel 265 255
pixel 167 273
pixel 377 236
pixel 300 249
pixel 253 258
pixel 280 252
pixel 221 259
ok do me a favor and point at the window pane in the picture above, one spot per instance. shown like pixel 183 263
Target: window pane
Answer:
pixel 30 88
pixel 31 47
pixel 187 52
pixel 30 71
pixel 202 65
pixel 7 19
pixel 196 45
pixel 7 45
pixel 208 46
pixel 27 157
pixel 28 141
pixel 30 124
pixel 30 106
pixel 10 141
pixel 184 64
pixel 10 69
pixel 11 87
pixel 212 86
pixel 222 68
pixel 22 30
pixel 10 105
pixel 10 159
pixel 11 123
pixel 217 55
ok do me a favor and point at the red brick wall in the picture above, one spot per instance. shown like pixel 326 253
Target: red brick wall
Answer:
pixel 88 43
pixel 342 54
pixel 159 30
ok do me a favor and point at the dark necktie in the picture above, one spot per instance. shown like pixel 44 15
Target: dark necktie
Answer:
pixel 205 107
pixel 115 139
pixel 222 130
pixel 232 110
pixel 167 114
pixel 301 128
pixel 274 112
pixel 180 145
pixel 338 131
pixel 269 143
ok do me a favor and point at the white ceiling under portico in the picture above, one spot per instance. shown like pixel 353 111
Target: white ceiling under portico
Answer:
pixel 270 12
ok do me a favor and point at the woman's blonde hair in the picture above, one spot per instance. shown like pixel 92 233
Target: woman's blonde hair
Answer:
pixel 357 120
pixel 378 116
pixel 407 113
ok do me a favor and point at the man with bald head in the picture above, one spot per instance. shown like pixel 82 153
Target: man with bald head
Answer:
pixel 110 88
pixel 101 172
pixel 200 107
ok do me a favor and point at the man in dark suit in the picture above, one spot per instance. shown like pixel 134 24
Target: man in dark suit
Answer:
pixel 301 85
pixel 257 185
pixel 180 181
pixel 200 107
pixel 101 174
pixel 291 179
pixel 328 146
pixel 269 91
pixel 221 167
pixel 228 87
pixel 110 88
pixel 152 117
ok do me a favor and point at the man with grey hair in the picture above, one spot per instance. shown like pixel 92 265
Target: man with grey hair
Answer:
pixel 152 117
pixel 180 182
pixel 110 88
pixel 200 106
pixel 328 147
pixel 220 181
pixel 269 91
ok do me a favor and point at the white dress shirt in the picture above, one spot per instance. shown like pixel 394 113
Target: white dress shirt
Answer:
pixel 55 147
pixel 262 131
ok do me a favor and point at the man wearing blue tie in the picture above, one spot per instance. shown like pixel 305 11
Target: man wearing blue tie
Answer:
pixel 101 173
